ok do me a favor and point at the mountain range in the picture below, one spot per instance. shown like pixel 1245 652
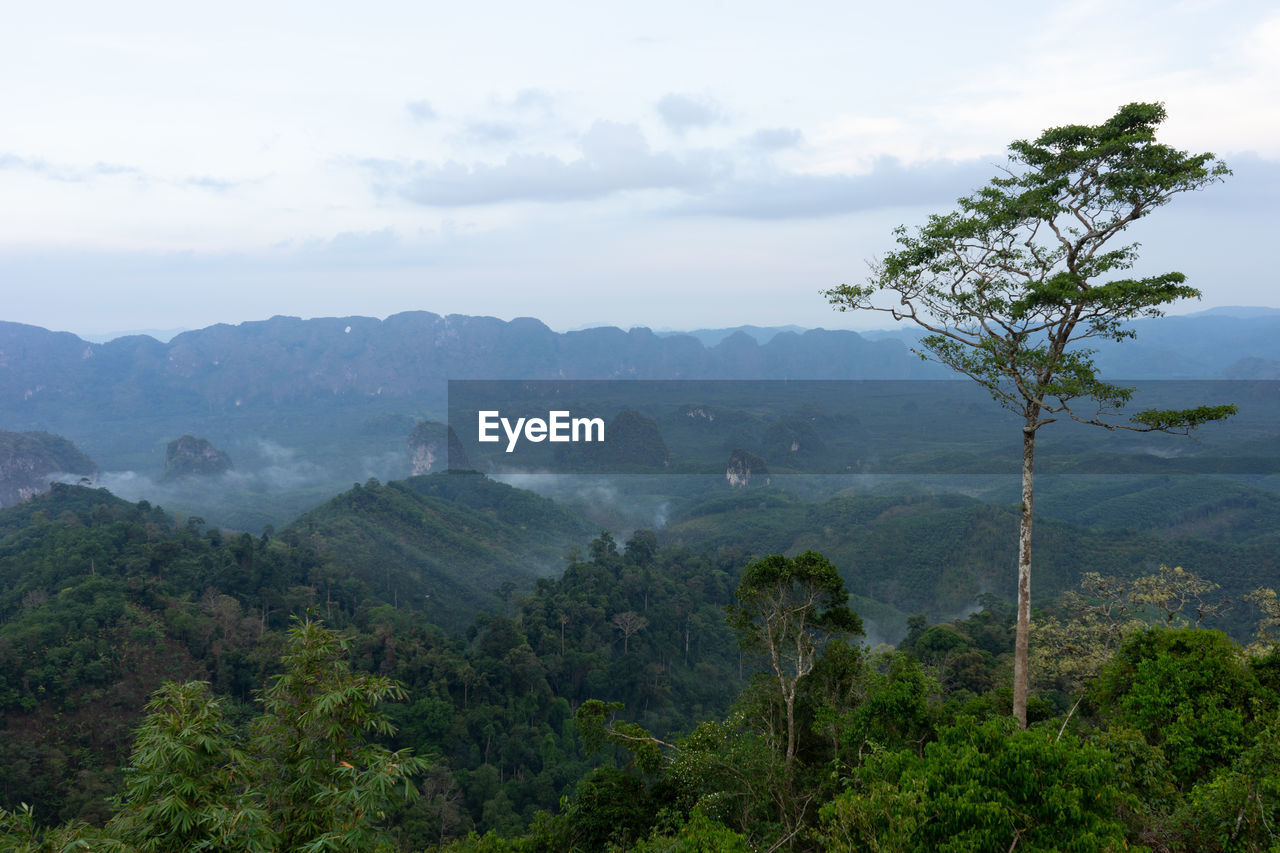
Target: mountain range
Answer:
pixel 307 407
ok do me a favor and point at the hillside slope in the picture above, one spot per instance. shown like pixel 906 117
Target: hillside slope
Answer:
pixel 443 544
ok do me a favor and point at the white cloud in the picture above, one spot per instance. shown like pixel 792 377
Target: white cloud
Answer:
pixel 775 138
pixel 614 158
pixel 490 132
pixel 421 110
pixel 534 100
pixel 888 184
pixel 682 113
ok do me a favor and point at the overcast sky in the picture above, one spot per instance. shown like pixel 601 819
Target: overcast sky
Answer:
pixel 675 165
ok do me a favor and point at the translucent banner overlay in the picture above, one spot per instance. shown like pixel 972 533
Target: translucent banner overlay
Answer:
pixel 753 431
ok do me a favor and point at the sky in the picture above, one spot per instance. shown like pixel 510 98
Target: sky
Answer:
pixel 676 165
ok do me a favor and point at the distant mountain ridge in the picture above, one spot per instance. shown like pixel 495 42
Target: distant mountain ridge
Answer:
pixel 711 337
pixel 410 354
pixel 413 353
pixel 308 407
pixel 1220 343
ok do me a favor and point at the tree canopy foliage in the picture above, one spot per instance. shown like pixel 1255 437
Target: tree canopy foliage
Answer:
pixel 788 609
pixel 267 730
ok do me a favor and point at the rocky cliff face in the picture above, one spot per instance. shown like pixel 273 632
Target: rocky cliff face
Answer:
pixel 192 456
pixel 746 468
pixel 29 461
pixel 434 447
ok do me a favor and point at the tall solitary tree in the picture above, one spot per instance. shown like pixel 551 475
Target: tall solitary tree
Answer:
pixel 1008 286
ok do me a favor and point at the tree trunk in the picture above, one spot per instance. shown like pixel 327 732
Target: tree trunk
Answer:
pixel 1024 572
pixel 789 698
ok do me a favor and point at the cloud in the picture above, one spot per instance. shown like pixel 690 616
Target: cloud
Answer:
pixel 264 466
pixel 23 164
pixel 888 184
pixel 775 138
pixel 935 183
pixel 615 158
pixel 205 182
pixel 684 112
pixel 69 174
pixel 421 110
pixel 63 173
pixel 108 169
pixel 532 99
pixel 381 242
pixel 383 249
pixel 490 132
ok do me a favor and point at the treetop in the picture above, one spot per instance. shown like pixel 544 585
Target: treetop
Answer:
pixel 1010 283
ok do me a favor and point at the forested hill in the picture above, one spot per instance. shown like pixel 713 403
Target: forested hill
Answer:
pixel 102 600
pixel 448 545
pixel 604 709
pixel 940 554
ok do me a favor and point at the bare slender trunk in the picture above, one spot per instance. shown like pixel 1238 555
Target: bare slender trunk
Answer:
pixel 1024 571
pixel 789 697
